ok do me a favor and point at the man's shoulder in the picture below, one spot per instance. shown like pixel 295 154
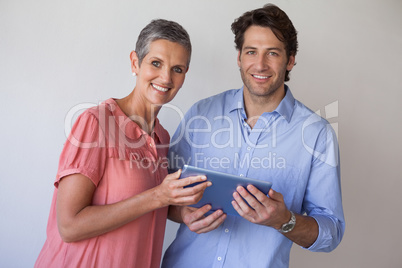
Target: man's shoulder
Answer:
pixel 219 100
pixel 309 120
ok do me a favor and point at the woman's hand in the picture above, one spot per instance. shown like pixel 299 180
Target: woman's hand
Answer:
pixel 195 218
pixel 197 222
pixel 78 219
pixel 172 190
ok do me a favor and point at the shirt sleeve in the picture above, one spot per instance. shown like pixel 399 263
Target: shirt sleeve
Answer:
pixel 323 199
pixel 84 151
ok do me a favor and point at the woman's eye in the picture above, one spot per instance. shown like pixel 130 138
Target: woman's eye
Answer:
pixel 156 63
pixel 177 70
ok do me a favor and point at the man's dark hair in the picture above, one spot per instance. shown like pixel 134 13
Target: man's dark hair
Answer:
pixel 272 17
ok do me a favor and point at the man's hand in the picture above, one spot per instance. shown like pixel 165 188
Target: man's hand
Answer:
pixel 270 211
pixel 197 222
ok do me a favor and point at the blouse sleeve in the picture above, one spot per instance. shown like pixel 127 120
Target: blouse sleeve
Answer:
pixel 85 150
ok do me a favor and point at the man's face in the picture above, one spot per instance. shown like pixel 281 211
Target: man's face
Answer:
pixel 263 63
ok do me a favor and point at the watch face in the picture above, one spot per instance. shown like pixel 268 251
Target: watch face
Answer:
pixel 287 227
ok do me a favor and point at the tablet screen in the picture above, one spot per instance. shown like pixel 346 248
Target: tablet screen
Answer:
pixel 220 194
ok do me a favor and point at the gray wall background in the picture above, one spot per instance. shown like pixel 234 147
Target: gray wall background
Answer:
pixel 58 57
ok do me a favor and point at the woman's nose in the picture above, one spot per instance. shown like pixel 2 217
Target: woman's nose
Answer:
pixel 166 76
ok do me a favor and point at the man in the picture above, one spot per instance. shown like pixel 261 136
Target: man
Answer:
pixel 259 131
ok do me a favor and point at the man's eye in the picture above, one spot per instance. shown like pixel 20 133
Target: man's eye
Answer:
pixel 156 63
pixel 273 53
pixel 177 70
pixel 250 52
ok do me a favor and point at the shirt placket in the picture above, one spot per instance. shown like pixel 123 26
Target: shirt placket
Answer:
pixel 250 139
pixel 226 231
pixel 227 228
pixel 153 162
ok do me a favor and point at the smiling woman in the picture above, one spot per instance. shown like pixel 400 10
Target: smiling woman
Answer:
pixel 111 198
pixel 160 75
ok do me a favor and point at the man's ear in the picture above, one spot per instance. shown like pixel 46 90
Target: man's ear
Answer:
pixel 238 58
pixel 135 65
pixel 291 63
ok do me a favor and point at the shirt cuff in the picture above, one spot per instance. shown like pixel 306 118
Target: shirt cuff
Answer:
pixel 330 232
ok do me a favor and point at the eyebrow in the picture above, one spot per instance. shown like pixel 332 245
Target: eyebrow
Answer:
pixel 159 59
pixel 269 49
pixel 155 58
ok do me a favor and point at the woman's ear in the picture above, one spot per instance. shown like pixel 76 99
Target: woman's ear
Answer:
pixel 135 66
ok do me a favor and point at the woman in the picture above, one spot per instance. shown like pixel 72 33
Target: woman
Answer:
pixel 112 191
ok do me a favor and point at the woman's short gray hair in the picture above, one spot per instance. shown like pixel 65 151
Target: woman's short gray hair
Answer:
pixel 162 29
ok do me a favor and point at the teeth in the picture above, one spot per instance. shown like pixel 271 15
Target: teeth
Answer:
pixel 260 77
pixel 163 89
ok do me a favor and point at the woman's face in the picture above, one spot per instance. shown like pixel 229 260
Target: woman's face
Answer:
pixel 162 71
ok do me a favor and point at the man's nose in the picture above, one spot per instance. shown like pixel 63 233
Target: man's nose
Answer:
pixel 261 62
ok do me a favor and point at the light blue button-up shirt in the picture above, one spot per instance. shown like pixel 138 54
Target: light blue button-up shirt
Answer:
pixel 292 147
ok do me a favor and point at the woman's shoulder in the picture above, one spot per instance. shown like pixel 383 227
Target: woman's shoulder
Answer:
pixel 96 117
pixel 105 108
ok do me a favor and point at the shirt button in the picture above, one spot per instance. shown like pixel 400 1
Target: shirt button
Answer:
pixel 226 230
pixel 241 175
pixel 219 258
pixel 248 148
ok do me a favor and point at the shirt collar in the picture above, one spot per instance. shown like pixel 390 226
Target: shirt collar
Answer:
pixel 238 101
pixel 285 107
pixel 158 133
pixel 130 128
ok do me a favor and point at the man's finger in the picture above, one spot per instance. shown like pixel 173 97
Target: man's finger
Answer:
pixel 260 196
pixel 238 196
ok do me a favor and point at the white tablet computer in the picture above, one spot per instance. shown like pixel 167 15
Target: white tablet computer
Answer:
pixel 220 194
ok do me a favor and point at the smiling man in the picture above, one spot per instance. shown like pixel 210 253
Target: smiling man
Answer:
pixel 241 130
pixel 263 63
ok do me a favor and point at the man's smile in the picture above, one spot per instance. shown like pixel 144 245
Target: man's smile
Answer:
pixel 259 76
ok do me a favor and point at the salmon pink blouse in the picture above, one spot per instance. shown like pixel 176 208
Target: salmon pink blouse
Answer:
pixel 121 160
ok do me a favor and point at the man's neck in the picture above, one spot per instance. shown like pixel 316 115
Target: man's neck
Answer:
pixel 255 106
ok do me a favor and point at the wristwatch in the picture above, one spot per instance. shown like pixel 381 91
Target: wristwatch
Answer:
pixel 287 227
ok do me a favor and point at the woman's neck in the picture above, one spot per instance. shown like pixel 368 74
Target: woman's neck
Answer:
pixel 139 111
